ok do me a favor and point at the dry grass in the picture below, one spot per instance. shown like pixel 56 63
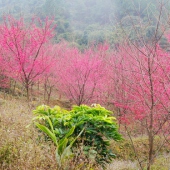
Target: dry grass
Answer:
pixel 22 148
pixel 123 165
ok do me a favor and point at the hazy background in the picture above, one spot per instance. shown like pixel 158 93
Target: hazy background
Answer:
pixel 82 22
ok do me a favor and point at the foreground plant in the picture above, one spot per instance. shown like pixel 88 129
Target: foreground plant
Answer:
pixel 81 134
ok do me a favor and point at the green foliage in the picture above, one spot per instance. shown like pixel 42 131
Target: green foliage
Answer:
pixel 83 129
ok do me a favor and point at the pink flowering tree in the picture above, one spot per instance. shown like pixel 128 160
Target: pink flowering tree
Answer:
pixel 142 90
pixel 4 80
pixel 23 48
pixel 81 76
pixel 49 78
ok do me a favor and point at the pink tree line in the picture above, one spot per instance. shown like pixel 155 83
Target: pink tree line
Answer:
pixel 29 56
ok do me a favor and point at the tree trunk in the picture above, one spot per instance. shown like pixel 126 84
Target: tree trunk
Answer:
pixel 49 95
pixel 150 159
pixel 27 91
pixel 14 87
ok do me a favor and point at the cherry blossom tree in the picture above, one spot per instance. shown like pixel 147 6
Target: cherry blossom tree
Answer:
pixel 81 75
pixel 142 89
pixel 49 78
pixel 4 80
pixel 23 48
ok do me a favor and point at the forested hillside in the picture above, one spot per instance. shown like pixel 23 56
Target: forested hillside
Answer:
pixel 87 21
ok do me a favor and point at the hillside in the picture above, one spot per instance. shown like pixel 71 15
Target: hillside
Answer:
pixel 83 22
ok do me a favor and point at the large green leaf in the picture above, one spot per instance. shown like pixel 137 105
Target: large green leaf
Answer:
pixel 70 132
pixel 62 146
pixel 48 132
pixel 50 123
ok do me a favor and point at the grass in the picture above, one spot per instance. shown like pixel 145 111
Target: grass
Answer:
pixel 123 165
pixel 162 162
pixel 22 148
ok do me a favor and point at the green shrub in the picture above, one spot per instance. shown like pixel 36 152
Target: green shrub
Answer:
pixel 82 133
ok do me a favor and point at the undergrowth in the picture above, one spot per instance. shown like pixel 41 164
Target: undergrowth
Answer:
pixel 21 147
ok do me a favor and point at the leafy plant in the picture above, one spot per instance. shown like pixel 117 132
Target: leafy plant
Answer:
pixel 83 129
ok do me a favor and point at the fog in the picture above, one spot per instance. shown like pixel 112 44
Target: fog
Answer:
pixel 82 21
pixel 75 11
